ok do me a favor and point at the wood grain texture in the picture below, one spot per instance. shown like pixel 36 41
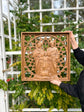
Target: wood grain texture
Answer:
pixel 45 55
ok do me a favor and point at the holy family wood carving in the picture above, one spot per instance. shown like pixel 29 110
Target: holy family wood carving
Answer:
pixel 45 55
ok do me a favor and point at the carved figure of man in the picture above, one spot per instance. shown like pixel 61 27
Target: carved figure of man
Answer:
pixel 53 53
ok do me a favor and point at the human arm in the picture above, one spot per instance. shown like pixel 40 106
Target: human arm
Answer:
pixel 78 53
pixel 68 88
pixel 72 40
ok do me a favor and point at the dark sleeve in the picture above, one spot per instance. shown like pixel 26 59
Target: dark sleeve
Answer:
pixel 79 54
pixel 69 89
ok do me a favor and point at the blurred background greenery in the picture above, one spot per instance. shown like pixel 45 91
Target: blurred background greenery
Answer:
pixel 41 95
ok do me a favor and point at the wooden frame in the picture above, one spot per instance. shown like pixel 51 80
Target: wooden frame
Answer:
pixel 33 60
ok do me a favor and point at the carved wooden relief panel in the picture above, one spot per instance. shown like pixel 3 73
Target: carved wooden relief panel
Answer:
pixel 45 55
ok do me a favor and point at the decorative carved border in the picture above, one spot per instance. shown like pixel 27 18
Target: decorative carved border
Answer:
pixel 29 41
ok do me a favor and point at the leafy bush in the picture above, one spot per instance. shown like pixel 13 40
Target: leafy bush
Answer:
pixel 41 95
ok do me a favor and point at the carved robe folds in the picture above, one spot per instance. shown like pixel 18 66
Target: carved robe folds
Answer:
pixel 46 61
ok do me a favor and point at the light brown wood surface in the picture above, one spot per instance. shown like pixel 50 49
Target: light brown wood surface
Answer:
pixel 45 55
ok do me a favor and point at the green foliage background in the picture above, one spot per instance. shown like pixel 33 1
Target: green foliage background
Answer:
pixel 41 95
